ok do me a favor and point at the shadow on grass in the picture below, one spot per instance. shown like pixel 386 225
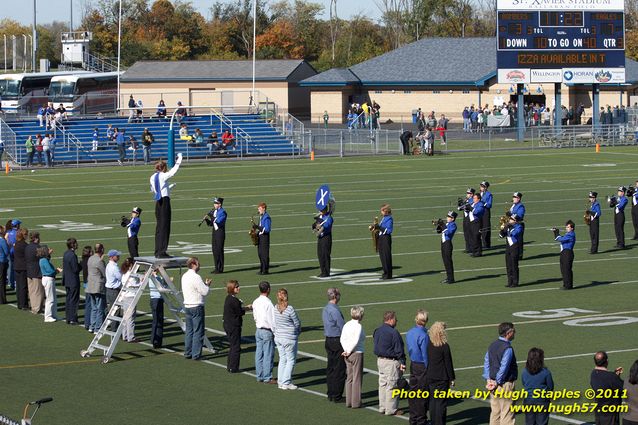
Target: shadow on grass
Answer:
pixel 255 267
pixel 476 415
pixel 485 276
pixel 298 269
pixel 595 283
pixel 542 281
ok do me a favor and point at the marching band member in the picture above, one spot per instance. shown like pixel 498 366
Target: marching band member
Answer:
pixel 634 210
pixel 567 242
pixel 263 245
pixel 217 220
pixel 486 220
pixel 446 246
pixel 323 228
pixel 619 204
pixel 385 241
pixel 162 195
pixel 513 234
pixel 476 219
pixel 519 209
pixel 133 229
pixel 467 233
pixel 594 221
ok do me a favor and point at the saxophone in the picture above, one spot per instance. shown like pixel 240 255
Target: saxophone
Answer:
pixel 587 217
pixel 503 221
pixel 375 231
pixel 254 237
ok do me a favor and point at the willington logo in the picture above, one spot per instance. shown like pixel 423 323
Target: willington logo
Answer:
pixel 603 76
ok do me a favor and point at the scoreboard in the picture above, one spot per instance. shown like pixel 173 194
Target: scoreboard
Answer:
pixel 572 35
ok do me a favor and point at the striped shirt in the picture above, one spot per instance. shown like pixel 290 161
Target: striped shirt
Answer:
pixel 287 324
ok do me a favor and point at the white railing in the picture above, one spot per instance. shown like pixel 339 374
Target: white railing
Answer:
pixel 8 139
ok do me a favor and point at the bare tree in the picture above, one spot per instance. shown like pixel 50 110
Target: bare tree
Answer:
pixel 394 14
pixel 334 27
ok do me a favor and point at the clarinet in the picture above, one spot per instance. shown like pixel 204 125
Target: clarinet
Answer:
pixel 209 214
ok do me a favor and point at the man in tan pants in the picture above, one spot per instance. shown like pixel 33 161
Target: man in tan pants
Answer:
pixel 388 347
pixel 34 275
pixel 500 372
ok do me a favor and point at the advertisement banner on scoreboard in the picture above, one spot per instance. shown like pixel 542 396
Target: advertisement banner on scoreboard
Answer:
pixel 525 5
pixel 546 76
pixel 513 76
pixel 593 75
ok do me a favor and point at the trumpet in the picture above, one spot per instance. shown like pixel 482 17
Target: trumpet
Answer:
pixel 375 231
pixel 612 201
pixel 439 225
pixel 555 231
pixel 254 237
pixel 630 191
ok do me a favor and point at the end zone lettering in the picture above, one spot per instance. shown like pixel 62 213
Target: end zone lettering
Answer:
pixel 560 59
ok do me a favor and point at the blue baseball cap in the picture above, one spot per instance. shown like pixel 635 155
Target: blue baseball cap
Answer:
pixel 114 253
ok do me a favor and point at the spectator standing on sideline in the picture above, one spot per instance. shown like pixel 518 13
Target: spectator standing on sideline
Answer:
pixel 71 279
pixel 440 375
pixel 388 347
pixel 96 278
pixel 332 326
pixel 536 377
pixel 48 282
pixel 157 310
pixel 233 321
pixel 417 340
pixel 631 387
pixel 195 290
pixel 12 229
pixel 353 340
pixel 500 372
pixel 442 128
pixel 147 141
pixel 287 330
pixel 121 145
pixel 113 283
pixel 602 381
pixel 34 276
pixel 128 317
pixel 264 316
pixel 29 148
pixel 20 268
pixel 162 196
pixel 87 252
pixel 4 267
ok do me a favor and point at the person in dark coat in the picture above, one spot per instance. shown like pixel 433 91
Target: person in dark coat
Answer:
pixel 34 275
pixel 440 374
pixel 71 278
pixel 20 268
pixel 405 141
pixel 233 320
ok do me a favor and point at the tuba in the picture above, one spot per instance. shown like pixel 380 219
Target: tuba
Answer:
pixel 375 231
pixel 254 237
pixel 439 225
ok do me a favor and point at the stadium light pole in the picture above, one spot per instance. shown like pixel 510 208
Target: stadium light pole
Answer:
pixel 119 53
pixel 34 42
pixel 252 93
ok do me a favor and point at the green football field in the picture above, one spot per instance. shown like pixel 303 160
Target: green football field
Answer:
pixel 146 386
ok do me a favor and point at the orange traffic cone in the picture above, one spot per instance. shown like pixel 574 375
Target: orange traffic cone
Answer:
pixel 6 167
pixel 597 147
pixel 312 155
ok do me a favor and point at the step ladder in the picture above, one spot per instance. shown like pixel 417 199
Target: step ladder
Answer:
pixel 144 271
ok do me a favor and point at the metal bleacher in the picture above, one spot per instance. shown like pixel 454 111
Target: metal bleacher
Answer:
pixel 254 137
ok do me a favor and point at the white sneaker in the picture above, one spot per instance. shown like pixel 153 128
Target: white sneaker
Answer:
pixel 283 387
pixel 291 387
pixel 50 320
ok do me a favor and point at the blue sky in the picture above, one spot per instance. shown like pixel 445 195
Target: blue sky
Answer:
pixel 59 10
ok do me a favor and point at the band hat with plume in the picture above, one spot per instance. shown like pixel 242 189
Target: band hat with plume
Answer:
pixel 593 194
pixel 470 190
pixel 518 195
pixel 218 200
pixel 137 210
pixel 485 184
pixel 452 214
pixel 622 189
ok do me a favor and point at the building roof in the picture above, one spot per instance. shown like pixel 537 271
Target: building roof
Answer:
pixel 333 77
pixel 214 70
pixel 430 61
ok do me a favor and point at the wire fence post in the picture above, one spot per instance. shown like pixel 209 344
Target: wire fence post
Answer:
pixel 341 143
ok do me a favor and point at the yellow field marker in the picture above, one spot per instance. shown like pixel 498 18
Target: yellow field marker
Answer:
pixel 21 366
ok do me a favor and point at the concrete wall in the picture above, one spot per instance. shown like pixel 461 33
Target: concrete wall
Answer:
pixel 215 94
pixel 335 102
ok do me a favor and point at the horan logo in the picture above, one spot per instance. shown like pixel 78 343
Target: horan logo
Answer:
pixel 603 76
pixel 515 75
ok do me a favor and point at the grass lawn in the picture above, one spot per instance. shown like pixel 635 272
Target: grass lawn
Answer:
pixel 146 386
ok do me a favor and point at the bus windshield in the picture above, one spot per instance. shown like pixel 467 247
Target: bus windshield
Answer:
pixel 9 88
pixel 60 90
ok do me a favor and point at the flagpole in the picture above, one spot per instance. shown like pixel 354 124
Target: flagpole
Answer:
pixel 252 93
pixel 119 51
